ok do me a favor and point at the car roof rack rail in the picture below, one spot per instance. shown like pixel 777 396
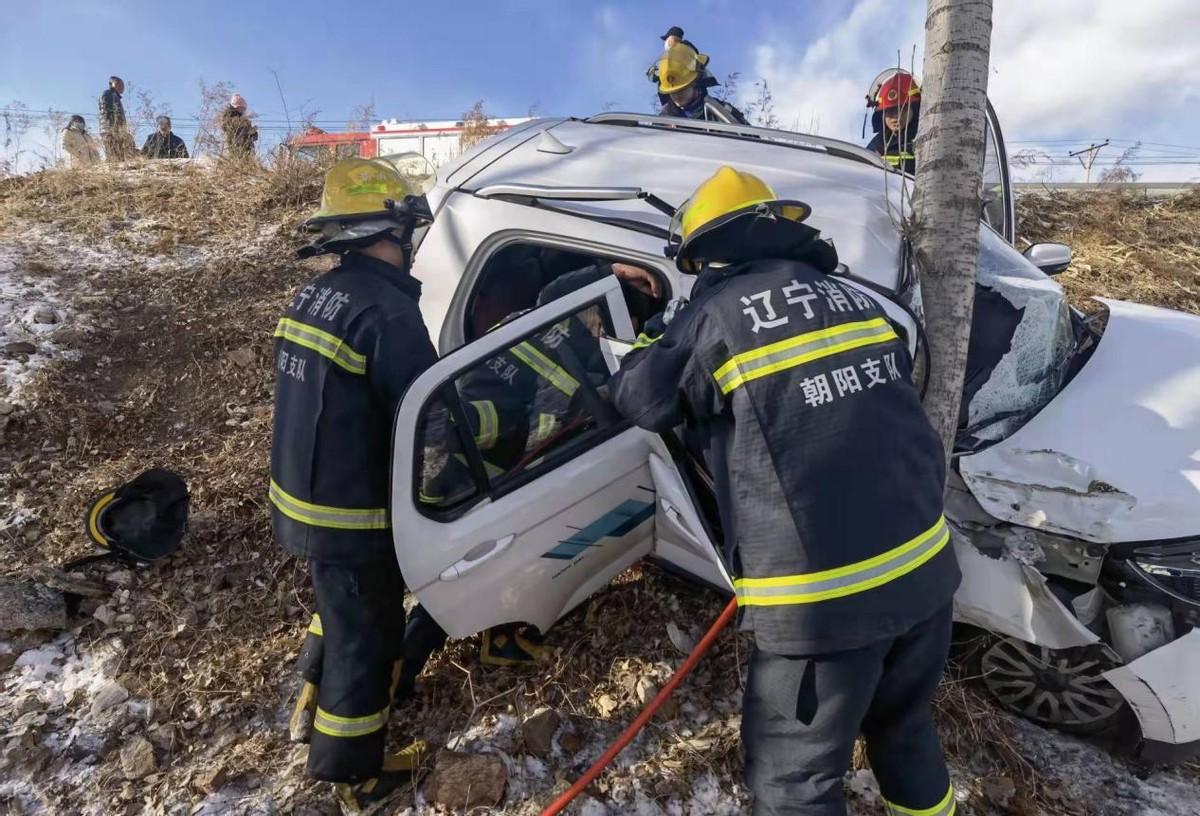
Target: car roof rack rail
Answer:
pixel 784 138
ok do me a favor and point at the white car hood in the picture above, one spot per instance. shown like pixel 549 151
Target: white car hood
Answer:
pixel 1116 455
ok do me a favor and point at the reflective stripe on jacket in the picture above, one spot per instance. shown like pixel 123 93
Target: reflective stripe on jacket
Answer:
pixel 829 476
pixel 346 349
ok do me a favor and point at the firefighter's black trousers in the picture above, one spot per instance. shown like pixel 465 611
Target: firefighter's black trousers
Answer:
pixel 801 715
pixel 349 653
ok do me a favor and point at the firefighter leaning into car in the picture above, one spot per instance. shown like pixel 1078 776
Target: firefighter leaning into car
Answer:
pixel 895 101
pixel 683 81
pixel 514 404
pixel 348 346
pixel 829 483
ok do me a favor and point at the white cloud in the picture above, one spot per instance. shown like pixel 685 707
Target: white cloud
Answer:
pixel 1072 65
pixel 825 83
pixel 1075 68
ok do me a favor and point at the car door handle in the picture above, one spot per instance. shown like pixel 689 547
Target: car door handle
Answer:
pixel 478 555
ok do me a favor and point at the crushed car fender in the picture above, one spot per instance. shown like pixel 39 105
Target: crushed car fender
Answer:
pixel 1007 597
pixel 1161 689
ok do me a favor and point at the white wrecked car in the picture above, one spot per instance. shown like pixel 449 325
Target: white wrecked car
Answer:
pixel 1077 479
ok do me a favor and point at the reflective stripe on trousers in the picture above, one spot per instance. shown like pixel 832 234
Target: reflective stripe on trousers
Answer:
pixel 800 349
pixel 546 368
pixel 489 423
pixel 848 580
pixel 322 342
pixel 320 515
pixel 331 725
pixel 946 807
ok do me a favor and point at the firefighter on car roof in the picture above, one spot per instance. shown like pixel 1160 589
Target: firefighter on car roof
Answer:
pixel 895 99
pixel 348 345
pixel 829 489
pixel 683 81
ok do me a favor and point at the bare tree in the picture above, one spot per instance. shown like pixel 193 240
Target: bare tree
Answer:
pixel 1121 172
pixel 213 100
pixel 146 112
pixel 946 200
pixel 52 127
pixel 477 127
pixel 17 120
pixel 361 118
pixel 727 90
pixel 761 110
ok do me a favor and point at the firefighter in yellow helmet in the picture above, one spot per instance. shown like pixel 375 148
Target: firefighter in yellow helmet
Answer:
pixel 683 81
pixel 348 345
pixel 829 488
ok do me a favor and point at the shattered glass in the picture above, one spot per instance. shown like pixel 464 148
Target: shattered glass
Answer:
pixel 1033 369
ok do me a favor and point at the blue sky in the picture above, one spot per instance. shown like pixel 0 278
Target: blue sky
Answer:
pixel 434 60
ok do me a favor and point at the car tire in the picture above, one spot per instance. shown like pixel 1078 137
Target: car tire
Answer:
pixel 1059 688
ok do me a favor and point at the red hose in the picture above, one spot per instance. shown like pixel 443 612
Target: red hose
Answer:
pixel 634 727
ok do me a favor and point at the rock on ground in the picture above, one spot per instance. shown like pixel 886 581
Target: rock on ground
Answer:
pixel 466 780
pixel 137 758
pixel 26 605
pixel 538 731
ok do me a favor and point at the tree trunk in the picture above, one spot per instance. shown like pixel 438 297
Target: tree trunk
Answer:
pixel 946 199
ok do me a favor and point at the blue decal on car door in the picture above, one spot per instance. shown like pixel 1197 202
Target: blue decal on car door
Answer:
pixel 617 522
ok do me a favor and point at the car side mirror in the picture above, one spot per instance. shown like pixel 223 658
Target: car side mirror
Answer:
pixel 1049 257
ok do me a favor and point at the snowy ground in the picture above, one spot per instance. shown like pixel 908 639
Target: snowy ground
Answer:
pixel 32 311
pixel 75 707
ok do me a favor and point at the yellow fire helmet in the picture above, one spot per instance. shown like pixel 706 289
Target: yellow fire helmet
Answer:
pixel 733 216
pixel 678 67
pixel 358 189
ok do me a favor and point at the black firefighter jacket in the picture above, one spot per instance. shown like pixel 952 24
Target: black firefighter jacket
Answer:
pixel 829 476
pixel 347 348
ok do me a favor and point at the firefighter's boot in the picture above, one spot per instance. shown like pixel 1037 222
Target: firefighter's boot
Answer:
pixel 511 645
pixel 399 769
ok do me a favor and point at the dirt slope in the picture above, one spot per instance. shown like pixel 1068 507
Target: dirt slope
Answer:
pixel 168 282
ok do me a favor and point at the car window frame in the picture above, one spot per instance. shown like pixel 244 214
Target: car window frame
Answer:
pixel 485 250
pixel 612 427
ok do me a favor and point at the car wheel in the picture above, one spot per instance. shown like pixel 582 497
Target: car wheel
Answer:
pixel 1062 688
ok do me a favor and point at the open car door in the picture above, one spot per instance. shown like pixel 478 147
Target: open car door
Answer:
pixel 517 490
pixel 999 211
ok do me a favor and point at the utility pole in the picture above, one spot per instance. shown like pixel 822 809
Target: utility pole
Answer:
pixel 1092 151
pixel 946 199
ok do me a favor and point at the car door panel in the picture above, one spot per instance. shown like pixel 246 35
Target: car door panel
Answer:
pixel 530 550
pixel 681 540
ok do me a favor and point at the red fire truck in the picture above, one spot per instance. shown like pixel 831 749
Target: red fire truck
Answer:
pixel 437 141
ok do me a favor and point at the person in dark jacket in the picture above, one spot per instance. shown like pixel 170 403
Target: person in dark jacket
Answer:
pixel 896 116
pixel 829 486
pixel 683 81
pixel 114 130
pixel 240 135
pixel 348 346
pixel 163 144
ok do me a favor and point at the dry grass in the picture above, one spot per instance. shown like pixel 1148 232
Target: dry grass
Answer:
pixel 178 373
pixel 1127 247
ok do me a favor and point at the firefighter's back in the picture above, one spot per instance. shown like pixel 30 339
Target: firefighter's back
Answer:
pixel 835 474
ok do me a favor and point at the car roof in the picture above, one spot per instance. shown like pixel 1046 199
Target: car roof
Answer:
pixel 854 197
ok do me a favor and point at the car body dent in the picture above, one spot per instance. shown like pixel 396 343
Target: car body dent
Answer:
pixel 1115 457
pixel 1002 595
pixel 1161 690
